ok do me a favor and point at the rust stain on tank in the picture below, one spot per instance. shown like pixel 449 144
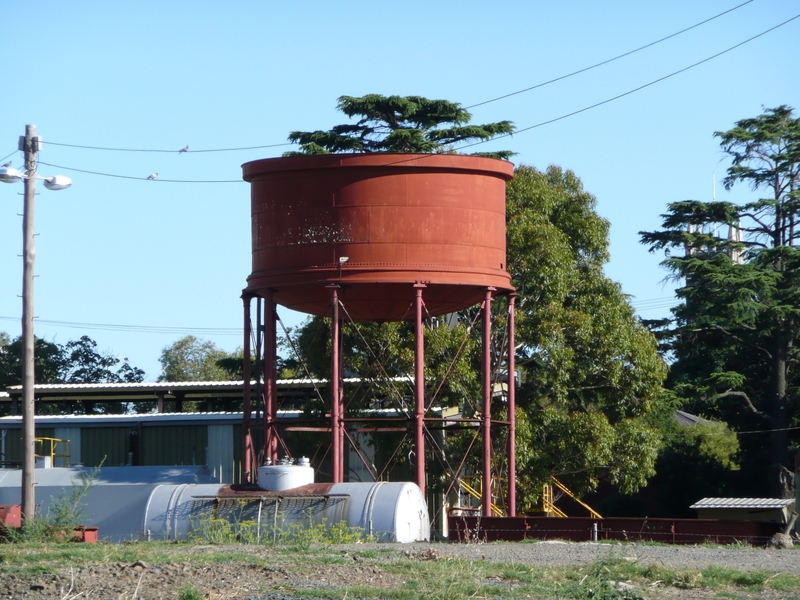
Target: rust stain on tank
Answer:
pixel 398 219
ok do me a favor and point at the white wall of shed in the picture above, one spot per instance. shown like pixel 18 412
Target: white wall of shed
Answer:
pixel 219 454
pixel 73 434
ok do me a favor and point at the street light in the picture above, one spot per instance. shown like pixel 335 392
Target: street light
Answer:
pixel 29 144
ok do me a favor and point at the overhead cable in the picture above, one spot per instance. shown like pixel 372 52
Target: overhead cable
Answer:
pixel 471 106
pixel 143 178
pixel 629 92
pixel 768 430
pixel 518 131
pixel 170 151
pixel 605 62
pixel 137 328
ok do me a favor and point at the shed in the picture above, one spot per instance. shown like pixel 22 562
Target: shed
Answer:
pixel 773 510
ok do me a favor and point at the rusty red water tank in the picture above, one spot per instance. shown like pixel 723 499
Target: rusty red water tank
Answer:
pixel 377 224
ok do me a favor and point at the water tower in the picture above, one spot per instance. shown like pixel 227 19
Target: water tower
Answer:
pixel 380 237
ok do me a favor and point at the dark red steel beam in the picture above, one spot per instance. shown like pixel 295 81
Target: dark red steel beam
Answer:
pixel 270 383
pixel 246 410
pixel 463 528
pixel 512 407
pixel 486 376
pixel 419 388
pixel 337 464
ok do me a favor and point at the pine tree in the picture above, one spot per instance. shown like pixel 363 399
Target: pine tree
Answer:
pixel 407 124
pixel 734 334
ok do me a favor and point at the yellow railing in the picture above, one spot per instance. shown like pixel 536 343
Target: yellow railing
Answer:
pixel 496 510
pixel 58 449
pixel 551 509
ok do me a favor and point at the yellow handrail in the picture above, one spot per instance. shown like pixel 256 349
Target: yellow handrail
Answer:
pixel 54 442
pixel 549 507
pixel 496 510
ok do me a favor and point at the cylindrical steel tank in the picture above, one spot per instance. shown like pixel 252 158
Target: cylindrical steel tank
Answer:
pixel 377 224
pixel 389 511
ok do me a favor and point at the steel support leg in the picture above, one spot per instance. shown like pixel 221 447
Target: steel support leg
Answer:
pixel 486 371
pixel 246 409
pixel 512 407
pixel 337 464
pixel 419 388
pixel 270 385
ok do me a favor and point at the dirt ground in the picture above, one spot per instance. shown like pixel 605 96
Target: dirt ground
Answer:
pixel 277 575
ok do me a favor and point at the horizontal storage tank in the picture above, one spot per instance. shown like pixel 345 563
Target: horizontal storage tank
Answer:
pixel 117 499
pixel 390 511
pixel 377 224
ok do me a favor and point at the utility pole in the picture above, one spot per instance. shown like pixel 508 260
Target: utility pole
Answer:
pixel 30 146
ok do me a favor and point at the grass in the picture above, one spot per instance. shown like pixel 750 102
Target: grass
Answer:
pixel 407 576
pixel 189 592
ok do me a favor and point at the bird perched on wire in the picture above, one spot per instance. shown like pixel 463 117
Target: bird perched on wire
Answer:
pixel 186 149
pixel 8 164
pixel 152 175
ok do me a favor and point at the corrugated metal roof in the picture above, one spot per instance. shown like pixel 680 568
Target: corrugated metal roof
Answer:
pixel 688 419
pixel 73 420
pixel 185 417
pixel 757 503
pixel 157 385
pixel 177 385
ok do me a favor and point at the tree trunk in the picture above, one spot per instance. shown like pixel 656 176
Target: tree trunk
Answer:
pixel 779 440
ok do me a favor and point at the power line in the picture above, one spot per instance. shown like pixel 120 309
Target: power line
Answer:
pixel 628 93
pixel 143 178
pixel 471 106
pixel 170 151
pixel 769 430
pixel 605 62
pixel 654 302
pixel 137 328
pixel 537 125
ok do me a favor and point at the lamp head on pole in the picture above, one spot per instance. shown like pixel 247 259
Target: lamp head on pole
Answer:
pixel 57 182
pixel 10 175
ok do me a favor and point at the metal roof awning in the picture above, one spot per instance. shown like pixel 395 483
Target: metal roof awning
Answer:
pixel 743 503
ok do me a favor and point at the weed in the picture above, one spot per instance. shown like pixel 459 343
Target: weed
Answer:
pixel 189 592
pixel 609 578
pixel 228 529
pixel 64 514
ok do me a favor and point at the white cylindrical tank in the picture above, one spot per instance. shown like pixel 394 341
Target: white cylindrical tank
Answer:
pixel 392 511
pixel 389 511
pixel 171 510
pixel 280 477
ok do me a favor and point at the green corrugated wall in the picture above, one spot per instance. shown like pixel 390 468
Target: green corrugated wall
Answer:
pixel 109 443
pixel 14 442
pixel 184 445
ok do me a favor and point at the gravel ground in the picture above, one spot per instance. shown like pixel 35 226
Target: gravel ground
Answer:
pixel 277 577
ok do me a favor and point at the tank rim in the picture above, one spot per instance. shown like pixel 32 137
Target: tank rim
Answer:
pixel 456 162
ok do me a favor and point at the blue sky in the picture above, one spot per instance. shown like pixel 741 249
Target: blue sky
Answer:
pixel 154 255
